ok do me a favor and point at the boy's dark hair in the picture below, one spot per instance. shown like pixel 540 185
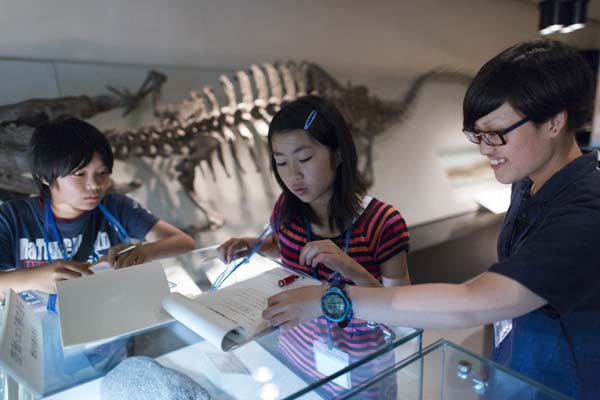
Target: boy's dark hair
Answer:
pixel 330 129
pixel 538 79
pixel 59 148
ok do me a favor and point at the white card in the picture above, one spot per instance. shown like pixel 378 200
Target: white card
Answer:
pixel 501 331
pixel 111 304
pixel 329 361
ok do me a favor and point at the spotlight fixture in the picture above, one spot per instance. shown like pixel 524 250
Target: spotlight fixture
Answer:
pixel 562 16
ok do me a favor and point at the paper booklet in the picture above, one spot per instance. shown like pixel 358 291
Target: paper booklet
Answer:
pixel 21 354
pixel 231 316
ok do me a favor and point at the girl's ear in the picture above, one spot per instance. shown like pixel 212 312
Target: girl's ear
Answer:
pixel 558 123
pixel 338 158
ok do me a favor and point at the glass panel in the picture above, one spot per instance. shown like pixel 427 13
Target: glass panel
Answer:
pixel 266 368
pixel 446 371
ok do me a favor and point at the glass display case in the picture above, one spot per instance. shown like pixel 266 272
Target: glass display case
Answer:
pixel 446 371
pixel 273 366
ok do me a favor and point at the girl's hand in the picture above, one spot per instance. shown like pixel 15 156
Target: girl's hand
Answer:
pixel 45 277
pixel 292 307
pixel 329 254
pixel 138 255
pixel 233 248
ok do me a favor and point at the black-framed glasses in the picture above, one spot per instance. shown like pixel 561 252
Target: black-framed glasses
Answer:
pixel 492 138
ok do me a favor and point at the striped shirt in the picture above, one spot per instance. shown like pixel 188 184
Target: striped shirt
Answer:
pixel 377 235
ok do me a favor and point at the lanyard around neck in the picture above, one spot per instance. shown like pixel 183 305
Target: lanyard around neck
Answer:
pixel 50 223
pixel 314 270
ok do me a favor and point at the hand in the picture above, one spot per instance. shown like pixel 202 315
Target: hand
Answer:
pixel 292 307
pixel 138 255
pixel 45 277
pixel 329 254
pixel 232 249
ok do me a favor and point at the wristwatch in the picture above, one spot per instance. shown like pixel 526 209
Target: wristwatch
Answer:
pixel 336 305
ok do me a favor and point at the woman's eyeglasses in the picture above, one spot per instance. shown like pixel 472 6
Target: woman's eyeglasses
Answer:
pixel 492 138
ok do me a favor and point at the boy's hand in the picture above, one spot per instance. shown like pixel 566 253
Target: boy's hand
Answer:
pixel 139 254
pixel 45 277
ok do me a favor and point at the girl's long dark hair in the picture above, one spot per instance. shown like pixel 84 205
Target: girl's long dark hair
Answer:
pixel 330 129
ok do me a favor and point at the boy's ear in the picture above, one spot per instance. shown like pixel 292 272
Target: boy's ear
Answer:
pixel 558 123
pixel 44 181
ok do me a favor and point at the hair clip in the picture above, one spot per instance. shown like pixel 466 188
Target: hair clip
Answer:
pixel 310 119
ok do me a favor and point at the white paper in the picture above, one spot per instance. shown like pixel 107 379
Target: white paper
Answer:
pixel 111 304
pixel 232 315
pixel 21 344
pixel 102 266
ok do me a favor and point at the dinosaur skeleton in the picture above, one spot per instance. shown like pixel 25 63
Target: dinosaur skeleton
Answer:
pixel 192 133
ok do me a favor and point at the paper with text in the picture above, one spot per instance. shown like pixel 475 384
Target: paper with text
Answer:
pixel 21 344
pixel 231 316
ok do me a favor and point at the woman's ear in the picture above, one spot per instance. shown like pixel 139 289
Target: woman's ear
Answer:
pixel 558 123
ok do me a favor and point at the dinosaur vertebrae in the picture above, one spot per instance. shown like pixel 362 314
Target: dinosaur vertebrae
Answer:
pixel 201 126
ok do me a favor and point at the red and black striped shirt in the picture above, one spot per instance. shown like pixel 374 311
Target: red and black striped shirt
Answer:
pixel 377 235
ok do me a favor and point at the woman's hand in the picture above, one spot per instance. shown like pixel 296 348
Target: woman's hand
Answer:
pixel 44 278
pixel 329 254
pixel 234 248
pixel 292 307
pixel 138 255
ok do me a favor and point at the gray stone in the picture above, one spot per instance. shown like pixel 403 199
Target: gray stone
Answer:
pixel 142 378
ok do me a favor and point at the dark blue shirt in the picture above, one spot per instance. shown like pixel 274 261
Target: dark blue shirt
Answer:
pixel 22 228
pixel 550 243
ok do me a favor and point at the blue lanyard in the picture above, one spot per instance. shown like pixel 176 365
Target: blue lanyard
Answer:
pixel 112 221
pixel 50 223
pixel 255 247
pixel 335 277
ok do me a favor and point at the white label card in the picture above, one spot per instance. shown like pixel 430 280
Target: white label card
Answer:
pixel 501 331
pixel 329 361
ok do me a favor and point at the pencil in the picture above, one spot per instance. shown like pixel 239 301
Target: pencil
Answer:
pixel 126 249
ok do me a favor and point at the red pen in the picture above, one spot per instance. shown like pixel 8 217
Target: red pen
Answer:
pixel 288 280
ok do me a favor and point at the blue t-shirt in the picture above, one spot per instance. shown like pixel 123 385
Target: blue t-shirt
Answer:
pixel 22 243
pixel 550 243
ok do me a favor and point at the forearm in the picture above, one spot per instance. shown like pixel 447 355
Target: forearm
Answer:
pixel 443 305
pixel 361 277
pixel 270 248
pixel 170 246
pixel 18 280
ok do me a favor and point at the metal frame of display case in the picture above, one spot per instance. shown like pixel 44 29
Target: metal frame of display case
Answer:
pixel 463 370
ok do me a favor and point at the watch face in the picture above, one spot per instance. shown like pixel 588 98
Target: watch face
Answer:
pixel 334 305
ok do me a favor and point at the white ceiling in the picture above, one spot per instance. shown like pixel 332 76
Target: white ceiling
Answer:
pixel 352 38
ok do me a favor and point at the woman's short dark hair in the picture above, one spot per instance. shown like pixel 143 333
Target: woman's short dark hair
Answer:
pixel 59 148
pixel 330 129
pixel 538 79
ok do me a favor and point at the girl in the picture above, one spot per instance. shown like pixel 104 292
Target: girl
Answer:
pixel 522 110
pixel 325 225
pixel 74 221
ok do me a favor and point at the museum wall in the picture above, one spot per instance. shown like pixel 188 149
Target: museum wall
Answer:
pixel 68 47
